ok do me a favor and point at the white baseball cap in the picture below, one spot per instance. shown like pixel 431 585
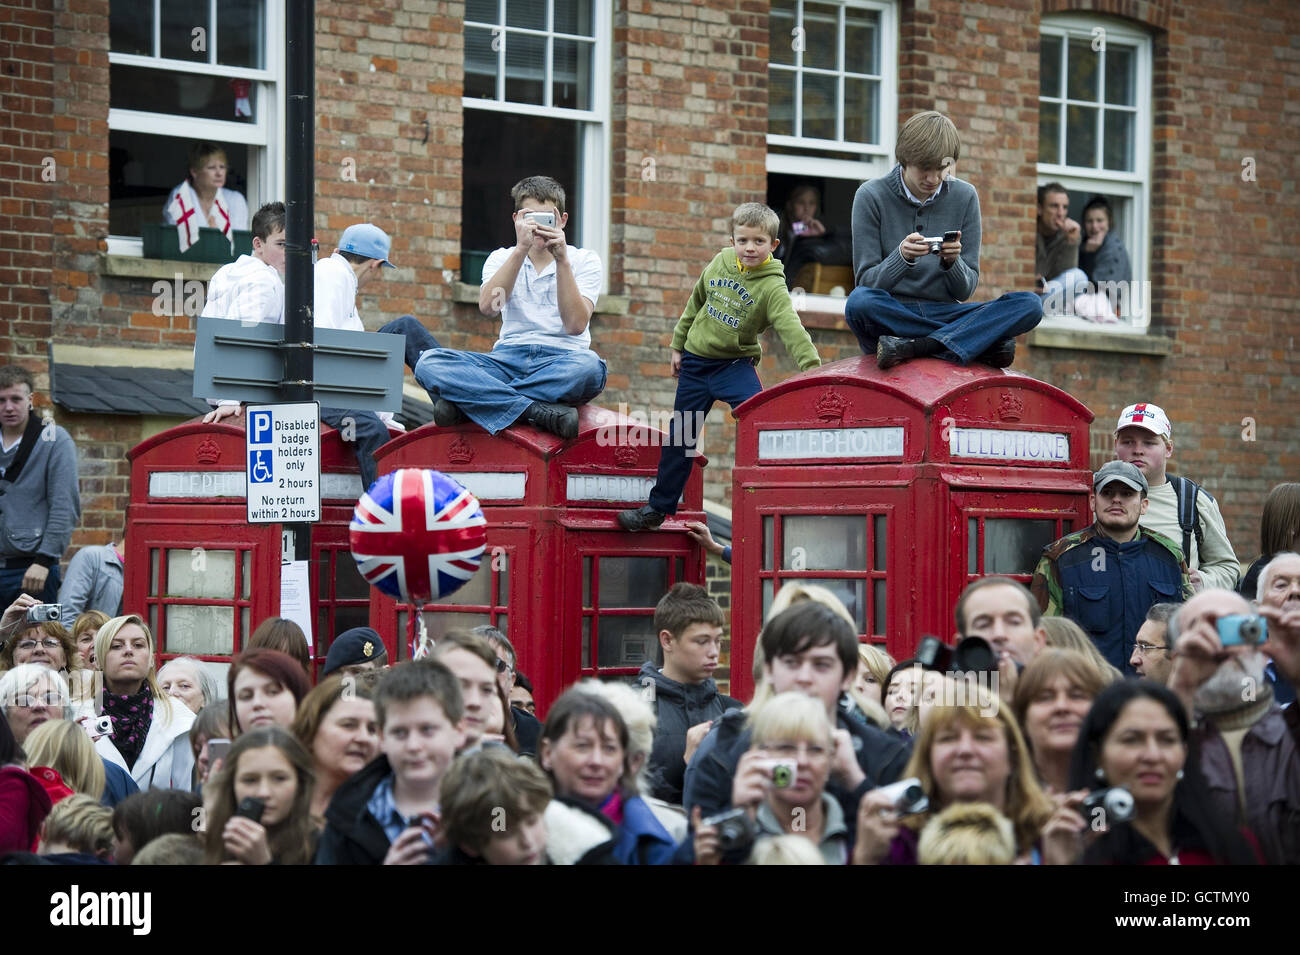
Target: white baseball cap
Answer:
pixel 1145 415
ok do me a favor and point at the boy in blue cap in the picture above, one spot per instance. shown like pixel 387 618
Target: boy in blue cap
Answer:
pixel 362 252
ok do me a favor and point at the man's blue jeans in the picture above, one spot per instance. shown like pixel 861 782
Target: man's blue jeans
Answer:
pixel 702 381
pixel 495 389
pixel 965 329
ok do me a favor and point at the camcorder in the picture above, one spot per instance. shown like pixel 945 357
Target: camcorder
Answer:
pixel 908 796
pixel 735 829
pixel 970 655
pixel 45 613
pixel 1116 802
pixel 1240 629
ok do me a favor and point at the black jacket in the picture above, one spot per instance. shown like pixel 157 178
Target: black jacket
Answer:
pixel 881 755
pixel 678 707
pixel 352 836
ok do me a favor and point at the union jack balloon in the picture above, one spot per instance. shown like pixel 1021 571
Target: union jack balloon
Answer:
pixel 418 535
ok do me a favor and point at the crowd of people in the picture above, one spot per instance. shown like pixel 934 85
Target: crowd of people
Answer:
pixel 1046 755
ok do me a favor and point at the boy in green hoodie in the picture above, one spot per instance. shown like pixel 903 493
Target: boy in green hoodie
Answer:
pixel 715 347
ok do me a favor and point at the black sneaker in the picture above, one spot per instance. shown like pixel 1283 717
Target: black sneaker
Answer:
pixel 446 414
pixel 1000 355
pixel 644 518
pixel 560 420
pixel 891 351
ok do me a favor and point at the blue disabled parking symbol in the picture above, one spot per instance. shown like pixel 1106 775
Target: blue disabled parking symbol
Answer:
pixel 259 466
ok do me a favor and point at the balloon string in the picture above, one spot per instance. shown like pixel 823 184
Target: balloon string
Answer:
pixel 423 645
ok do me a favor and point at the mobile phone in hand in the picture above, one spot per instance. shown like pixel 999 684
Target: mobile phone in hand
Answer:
pixel 217 749
pixel 251 808
pixel 542 218
pixel 952 236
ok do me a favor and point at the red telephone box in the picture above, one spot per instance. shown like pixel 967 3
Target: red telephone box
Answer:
pixel 574 592
pixel 896 488
pixel 201 575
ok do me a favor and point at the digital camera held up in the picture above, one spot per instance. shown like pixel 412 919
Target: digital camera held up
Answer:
pixel 908 796
pixel 735 829
pixel 45 613
pixel 1240 629
pixel 1116 803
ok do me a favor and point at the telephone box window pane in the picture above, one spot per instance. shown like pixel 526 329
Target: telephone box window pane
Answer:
pixel 345 618
pixel 245 628
pixel 851 593
pixel 879 605
pixel 586 643
pixel 348 582
pixel 503 624
pixel 586 581
pixel 1013 546
pixel 632 582
pixel 440 623
pixel 767 597
pixel 679 569
pixel 200 630
pixel 972 545
pixel 476 591
pixel 209 573
pixel 153 619
pixel 219 673
pixel 246 570
pixel 154 590
pixel 503 581
pixel 824 542
pixel 767 543
pixel 880 535
pixel 403 645
pixel 626 641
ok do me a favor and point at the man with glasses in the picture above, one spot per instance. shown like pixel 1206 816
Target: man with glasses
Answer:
pixel 1150 659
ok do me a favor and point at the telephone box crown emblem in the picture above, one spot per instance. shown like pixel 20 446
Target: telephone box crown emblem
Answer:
pixel 209 452
pixel 626 457
pixel 1012 407
pixel 832 405
pixel 461 451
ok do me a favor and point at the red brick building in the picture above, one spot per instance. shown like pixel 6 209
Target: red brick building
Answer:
pixel 660 117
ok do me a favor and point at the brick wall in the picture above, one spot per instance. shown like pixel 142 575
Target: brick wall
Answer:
pixel 26 191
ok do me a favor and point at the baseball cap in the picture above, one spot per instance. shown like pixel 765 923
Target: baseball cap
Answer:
pixel 1120 471
pixel 368 240
pixel 358 645
pixel 1145 415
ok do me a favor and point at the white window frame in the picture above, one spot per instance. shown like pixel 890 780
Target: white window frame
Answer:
pixel 265 168
pixel 877 158
pixel 1134 186
pixel 592 189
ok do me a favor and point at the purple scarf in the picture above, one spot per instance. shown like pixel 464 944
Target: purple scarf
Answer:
pixel 132 716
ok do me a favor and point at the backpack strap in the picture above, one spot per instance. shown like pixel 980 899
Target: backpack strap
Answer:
pixel 1185 491
pixel 30 436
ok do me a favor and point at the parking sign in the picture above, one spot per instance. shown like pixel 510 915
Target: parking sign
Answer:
pixel 283 443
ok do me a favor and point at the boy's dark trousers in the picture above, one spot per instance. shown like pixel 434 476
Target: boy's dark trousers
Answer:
pixel 702 381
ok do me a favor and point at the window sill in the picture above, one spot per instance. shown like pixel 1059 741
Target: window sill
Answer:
pixel 467 294
pixel 134 267
pixel 1094 339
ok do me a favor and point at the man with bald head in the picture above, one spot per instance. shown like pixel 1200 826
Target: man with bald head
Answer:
pixel 1248 743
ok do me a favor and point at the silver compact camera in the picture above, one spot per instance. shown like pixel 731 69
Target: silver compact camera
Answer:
pixel 103 725
pixel 908 796
pixel 1116 803
pixel 542 218
pixel 44 613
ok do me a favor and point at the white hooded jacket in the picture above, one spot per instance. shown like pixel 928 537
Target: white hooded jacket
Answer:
pixel 166 761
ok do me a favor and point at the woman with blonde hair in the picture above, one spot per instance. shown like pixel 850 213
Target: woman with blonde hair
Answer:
pixel 150 737
pixel 84 629
pixel 966 753
pixel 781 780
pixel 65 747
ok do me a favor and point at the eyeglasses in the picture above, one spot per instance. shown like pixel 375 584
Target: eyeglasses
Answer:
pixel 49 643
pixel 503 667
pixel 1145 648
